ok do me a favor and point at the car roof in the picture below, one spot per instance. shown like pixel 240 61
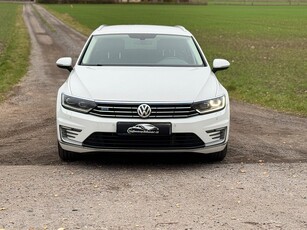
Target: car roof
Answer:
pixel 142 29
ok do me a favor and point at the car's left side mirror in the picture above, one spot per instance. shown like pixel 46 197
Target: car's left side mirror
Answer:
pixel 65 63
pixel 220 64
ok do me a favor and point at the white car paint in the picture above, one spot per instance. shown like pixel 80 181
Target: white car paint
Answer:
pixel 147 84
pixel 138 85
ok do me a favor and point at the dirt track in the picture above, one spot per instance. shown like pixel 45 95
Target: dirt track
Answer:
pixel 27 118
pixel 141 191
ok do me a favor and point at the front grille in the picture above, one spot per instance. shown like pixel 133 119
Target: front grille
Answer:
pixel 113 140
pixel 157 110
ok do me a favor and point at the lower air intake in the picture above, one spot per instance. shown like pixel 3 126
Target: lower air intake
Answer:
pixel 115 141
pixel 68 133
pixel 217 135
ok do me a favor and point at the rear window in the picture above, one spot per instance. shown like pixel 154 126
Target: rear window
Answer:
pixel 141 50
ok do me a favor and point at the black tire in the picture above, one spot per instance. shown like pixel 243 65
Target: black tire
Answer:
pixel 218 156
pixel 66 155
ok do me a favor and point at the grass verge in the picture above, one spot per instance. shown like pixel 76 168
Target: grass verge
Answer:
pixel 14 47
pixel 266 44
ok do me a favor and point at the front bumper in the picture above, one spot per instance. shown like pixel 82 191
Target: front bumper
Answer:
pixel 80 126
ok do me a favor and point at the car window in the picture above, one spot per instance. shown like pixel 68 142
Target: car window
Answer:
pixel 142 50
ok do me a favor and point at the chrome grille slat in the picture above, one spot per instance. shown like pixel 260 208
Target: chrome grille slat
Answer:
pixel 161 112
pixel 123 112
pixel 71 133
pixel 164 108
pixel 157 110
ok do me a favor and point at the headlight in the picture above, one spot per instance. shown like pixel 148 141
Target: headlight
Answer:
pixel 210 106
pixel 77 104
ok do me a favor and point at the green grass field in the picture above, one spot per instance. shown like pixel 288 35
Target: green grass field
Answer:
pixel 266 45
pixel 14 47
pixel 259 2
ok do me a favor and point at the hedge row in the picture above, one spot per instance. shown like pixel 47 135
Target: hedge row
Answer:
pixel 120 1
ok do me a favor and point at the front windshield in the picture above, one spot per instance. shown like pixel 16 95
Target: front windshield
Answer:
pixel 141 50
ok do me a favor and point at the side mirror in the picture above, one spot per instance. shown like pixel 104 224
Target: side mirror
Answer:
pixel 220 64
pixel 65 63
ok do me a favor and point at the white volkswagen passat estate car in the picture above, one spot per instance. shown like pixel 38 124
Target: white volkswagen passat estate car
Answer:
pixel 142 89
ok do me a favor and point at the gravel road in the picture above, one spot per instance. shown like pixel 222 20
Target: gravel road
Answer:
pixel 260 185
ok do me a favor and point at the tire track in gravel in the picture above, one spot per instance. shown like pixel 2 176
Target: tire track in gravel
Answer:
pixel 27 117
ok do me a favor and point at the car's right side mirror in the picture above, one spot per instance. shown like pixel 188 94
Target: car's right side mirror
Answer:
pixel 65 63
pixel 220 64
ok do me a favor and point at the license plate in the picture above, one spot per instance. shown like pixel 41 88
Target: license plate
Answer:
pixel 143 128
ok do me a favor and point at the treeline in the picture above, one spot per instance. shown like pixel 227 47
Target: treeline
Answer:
pixel 258 2
pixel 203 2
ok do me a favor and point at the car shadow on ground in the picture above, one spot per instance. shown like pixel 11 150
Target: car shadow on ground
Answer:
pixel 182 159
pixel 143 159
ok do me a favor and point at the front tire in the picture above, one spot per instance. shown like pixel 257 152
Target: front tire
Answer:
pixel 65 155
pixel 218 156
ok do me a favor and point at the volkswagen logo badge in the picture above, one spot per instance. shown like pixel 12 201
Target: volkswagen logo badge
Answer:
pixel 144 110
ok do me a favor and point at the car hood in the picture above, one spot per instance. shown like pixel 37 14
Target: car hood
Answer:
pixel 143 84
